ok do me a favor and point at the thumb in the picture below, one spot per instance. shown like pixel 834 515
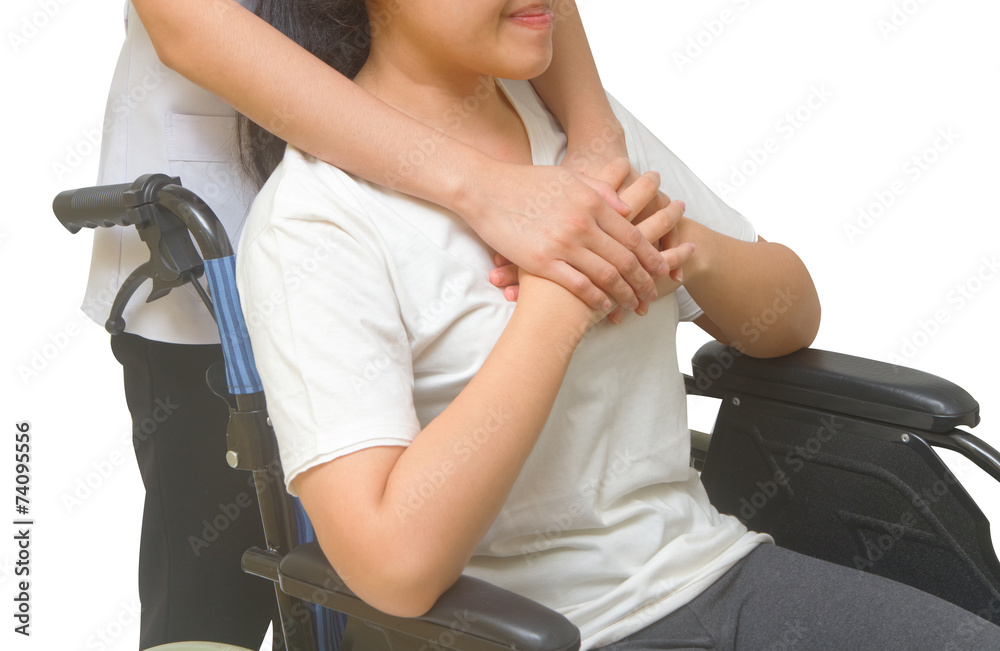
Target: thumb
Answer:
pixel 608 193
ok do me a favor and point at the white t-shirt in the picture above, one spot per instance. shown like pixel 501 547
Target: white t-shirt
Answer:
pixel 369 311
pixel 156 121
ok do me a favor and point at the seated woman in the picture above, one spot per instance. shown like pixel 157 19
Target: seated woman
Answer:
pixel 431 428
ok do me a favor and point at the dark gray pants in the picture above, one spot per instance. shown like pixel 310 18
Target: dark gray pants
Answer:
pixel 775 600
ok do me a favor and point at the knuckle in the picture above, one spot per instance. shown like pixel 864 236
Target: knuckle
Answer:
pixel 629 265
pixel 595 203
pixel 579 285
pixel 576 224
pixel 645 184
pixel 622 166
pixel 607 275
pixel 632 238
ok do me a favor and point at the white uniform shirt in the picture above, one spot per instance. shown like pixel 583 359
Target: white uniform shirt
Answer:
pixel 156 121
pixel 369 312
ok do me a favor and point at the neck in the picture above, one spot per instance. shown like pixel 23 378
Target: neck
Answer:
pixel 468 107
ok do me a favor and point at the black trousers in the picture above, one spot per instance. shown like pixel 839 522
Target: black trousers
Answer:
pixel 199 515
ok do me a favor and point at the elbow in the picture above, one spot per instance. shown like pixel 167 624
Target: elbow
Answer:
pixel 406 603
pixel 161 21
pixel 799 332
pixel 398 584
pixel 177 30
pixel 808 322
pixel 402 593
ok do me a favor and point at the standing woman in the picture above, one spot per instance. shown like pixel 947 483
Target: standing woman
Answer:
pixel 185 65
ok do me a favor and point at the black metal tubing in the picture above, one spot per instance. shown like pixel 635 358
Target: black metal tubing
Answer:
pixel 971 447
pixel 205 227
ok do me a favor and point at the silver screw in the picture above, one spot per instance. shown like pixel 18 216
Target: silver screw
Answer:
pixel 736 402
pixel 232 459
pixel 906 438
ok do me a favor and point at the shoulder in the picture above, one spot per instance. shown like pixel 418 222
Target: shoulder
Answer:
pixel 309 215
pixel 647 152
pixel 306 195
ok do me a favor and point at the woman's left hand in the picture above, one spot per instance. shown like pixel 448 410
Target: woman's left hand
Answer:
pixel 642 191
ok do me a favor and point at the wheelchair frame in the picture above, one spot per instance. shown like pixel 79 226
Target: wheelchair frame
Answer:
pixel 892 413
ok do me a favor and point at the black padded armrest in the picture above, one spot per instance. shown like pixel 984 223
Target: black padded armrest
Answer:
pixel 839 383
pixel 477 614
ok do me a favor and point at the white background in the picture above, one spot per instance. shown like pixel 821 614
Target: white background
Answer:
pixel 891 93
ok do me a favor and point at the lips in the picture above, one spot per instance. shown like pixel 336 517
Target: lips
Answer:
pixel 537 15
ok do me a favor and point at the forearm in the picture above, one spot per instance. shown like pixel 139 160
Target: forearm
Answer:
pixel 415 534
pixel 291 93
pixel 572 89
pixel 756 296
pixel 545 219
pixel 480 443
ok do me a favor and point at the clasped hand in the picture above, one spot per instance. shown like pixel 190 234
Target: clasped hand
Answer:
pixel 656 218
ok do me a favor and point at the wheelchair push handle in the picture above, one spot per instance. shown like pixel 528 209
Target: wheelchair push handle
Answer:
pixel 109 205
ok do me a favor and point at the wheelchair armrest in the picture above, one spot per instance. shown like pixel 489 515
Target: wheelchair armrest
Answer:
pixel 473 613
pixel 838 383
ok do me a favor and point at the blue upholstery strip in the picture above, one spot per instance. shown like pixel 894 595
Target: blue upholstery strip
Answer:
pixel 330 624
pixel 241 371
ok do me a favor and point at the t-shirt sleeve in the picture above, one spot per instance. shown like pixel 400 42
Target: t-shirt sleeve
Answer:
pixel 677 180
pixel 330 345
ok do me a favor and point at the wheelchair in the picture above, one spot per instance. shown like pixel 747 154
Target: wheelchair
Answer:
pixel 830 454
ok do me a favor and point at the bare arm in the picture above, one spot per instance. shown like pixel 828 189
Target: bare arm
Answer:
pixel 757 296
pixel 578 239
pixel 572 89
pixel 407 520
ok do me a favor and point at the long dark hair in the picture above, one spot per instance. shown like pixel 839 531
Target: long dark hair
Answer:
pixel 335 31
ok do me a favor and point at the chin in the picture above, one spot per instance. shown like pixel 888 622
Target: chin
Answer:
pixel 527 67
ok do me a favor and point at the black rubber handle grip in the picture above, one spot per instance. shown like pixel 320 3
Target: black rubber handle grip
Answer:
pixel 94 207
pixel 108 205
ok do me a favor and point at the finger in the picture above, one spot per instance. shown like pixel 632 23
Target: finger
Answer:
pixel 499 260
pixel 630 178
pixel 641 192
pixel 662 221
pixel 677 256
pixel 510 293
pixel 615 270
pixel 677 275
pixel 609 193
pixel 640 260
pixel 615 172
pixel 659 202
pixel 593 264
pixel 669 241
pixel 615 315
pixel 504 276
pixel 579 283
